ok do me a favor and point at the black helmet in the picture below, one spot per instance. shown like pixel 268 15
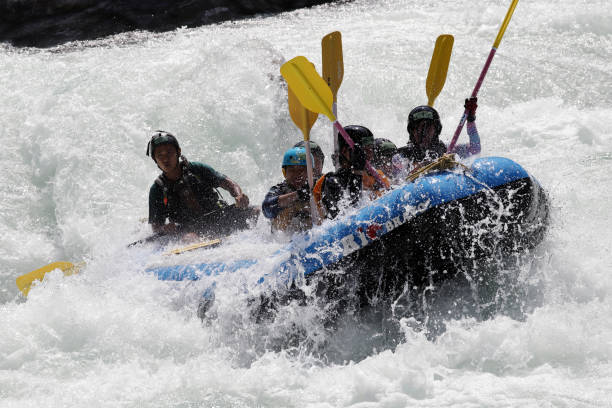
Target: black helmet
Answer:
pixel 315 149
pixel 361 136
pixel 384 147
pixel 420 113
pixel 159 138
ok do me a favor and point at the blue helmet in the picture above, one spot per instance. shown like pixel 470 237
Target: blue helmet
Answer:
pixel 296 156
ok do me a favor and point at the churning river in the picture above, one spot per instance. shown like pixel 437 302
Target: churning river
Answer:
pixel 74 180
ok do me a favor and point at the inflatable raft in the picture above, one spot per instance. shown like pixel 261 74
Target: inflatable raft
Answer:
pixel 415 235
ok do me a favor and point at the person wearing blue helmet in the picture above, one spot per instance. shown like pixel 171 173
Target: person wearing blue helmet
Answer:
pixel 184 199
pixel 287 204
pixel 319 157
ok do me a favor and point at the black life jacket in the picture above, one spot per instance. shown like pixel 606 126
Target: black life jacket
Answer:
pixel 336 185
pixel 189 197
pixel 416 153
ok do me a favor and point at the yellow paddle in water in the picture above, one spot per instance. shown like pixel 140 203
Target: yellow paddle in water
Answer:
pixel 304 119
pixel 438 67
pixel 333 73
pixel 314 93
pixel 24 282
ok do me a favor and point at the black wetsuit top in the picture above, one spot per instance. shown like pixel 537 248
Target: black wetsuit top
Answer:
pixel 339 185
pixel 187 199
pixel 416 153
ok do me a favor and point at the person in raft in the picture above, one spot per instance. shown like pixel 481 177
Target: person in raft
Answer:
pixel 345 186
pixel 287 204
pixel 384 150
pixel 424 129
pixel 317 154
pixel 184 200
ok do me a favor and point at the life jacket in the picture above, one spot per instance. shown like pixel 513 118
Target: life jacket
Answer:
pixel 317 190
pixel 368 183
pixel 189 191
pixel 417 154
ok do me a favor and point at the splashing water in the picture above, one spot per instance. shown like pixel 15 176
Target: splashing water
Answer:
pixel 74 122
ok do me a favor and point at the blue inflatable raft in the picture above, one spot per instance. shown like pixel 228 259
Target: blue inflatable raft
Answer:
pixel 418 234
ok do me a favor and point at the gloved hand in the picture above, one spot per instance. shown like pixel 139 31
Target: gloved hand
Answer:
pixel 470 107
pixel 304 194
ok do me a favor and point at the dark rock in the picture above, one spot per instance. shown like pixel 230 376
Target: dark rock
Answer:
pixel 45 23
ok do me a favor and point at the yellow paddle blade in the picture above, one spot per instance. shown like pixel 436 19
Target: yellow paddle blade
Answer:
pixel 333 65
pixel 302 117
pixel 438 67
pixel 25 281
pixel 311 90
pixel 204 244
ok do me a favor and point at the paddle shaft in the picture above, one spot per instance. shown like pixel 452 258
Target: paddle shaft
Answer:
pixel 148 239
pixel 309 164
pixel 483 73
pixel 335 136
pixel 205 244
pixel 162 234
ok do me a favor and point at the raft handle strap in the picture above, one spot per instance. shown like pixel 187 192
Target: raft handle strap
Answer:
pixel 445 162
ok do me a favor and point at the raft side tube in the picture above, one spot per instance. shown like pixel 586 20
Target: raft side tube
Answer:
pixel 393 217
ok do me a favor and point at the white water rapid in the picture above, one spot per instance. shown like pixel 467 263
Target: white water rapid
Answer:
pixel 74 123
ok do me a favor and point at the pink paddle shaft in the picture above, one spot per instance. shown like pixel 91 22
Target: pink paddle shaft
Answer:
pixel 349 141
pixel 483 73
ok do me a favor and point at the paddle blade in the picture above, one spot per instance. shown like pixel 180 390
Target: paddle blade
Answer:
pixel 333 64
pixel 311 90
pixel 302 117
pixel 436 77
pixel 25 281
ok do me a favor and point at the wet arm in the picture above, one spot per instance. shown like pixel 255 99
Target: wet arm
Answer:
pixel 466 150
pixel 242 201
pixel 273 202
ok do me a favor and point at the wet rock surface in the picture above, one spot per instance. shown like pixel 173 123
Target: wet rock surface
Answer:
pixel 46 23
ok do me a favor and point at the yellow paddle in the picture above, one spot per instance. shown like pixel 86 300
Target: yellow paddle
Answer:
pixel 438 67
pixel 333 65
pixel 304 119
pixel 314 93
pixel 484 71
pixel 24 282
pixel 333 73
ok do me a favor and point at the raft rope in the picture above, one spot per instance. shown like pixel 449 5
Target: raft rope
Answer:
pixel 446 162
